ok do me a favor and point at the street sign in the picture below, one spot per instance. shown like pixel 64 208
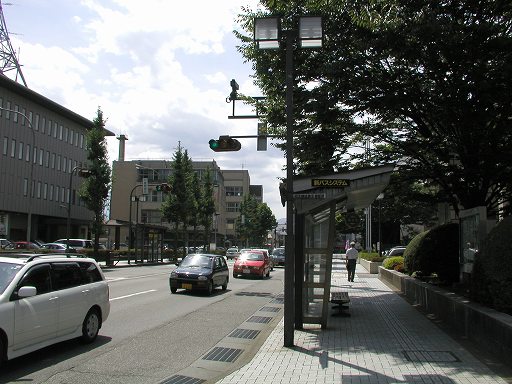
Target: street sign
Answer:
pixel 330 183
pixel 145 187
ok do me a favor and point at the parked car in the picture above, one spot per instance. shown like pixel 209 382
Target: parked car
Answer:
pixel 278 256
pixel 252 263
pixel 78 244
pixel 395 251
pixel 57 247
pixel 232 252
pixel 200 271
pixel 49 298
pixel 25 245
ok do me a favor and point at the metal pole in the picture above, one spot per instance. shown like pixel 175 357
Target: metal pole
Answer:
pixel 130 240
pixel 289 272
pixel 68 222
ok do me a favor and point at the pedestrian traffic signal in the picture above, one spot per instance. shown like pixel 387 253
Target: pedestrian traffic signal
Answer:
pixel 164 187
pixel 225 144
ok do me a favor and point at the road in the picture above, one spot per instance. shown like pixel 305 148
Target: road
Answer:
pixel 150 334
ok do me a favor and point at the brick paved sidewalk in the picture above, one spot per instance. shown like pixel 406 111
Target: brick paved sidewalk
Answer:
pixel 385 340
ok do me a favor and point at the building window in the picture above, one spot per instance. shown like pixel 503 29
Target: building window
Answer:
pixel 57 190
pixel 47 159
pixel 232 207
pixel 27 153
pixel 58 162
pixel 25 187
pixel 34 155
pixel 60 132
pixel 50 127
pixel 50 195
pixel 41 154
pixel 23 114
pixel 64 163
pixel 230 224
pixel 13 148
pixel 55 127
pixel 8 110
pixel 81 141
pixel 234 191
pixel 6 146
pixel 1 105
pixel 45 191
pixel 53 161
pixel 16 110
pixel 70 166
pixel 20 150
pixel 38 189
pixel 63 195
pixel 151 216
pixel 36 122
pixel 43 124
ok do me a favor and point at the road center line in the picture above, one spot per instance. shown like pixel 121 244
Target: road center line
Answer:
pixel 133 294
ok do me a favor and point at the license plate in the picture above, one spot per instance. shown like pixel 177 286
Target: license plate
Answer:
pixel 186 286
pixel 246 271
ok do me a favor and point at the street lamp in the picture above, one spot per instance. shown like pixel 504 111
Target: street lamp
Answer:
pixel 379 198
pixel 82 172
pixel 268 35
pixel 30 187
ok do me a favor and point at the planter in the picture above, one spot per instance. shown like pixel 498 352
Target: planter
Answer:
pixel 370 266
pixel 485 327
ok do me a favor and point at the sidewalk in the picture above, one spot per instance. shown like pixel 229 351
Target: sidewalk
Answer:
pixel 385 340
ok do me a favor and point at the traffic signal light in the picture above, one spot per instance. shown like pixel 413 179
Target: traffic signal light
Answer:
pixel 225 144
pixel 164 187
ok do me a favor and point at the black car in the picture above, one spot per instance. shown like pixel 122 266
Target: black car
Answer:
pixel 278 256
pixel 200 271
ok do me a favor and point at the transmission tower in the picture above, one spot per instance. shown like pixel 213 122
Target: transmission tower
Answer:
pixel 8 59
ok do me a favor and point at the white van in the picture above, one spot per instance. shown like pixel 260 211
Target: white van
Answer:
pixel 77 243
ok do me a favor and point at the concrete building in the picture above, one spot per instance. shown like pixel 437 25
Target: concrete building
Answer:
pixel 42 143
pixel 230 187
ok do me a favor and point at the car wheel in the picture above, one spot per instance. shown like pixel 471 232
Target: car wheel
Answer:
pixel 2 352
pixel 225 285
pixel 174 290
pixel 91 326
pixel 210 288
pixel 268 273
pixel 235 275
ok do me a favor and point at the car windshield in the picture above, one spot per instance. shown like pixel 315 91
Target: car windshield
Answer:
pixel 7 273
pixel 278 252
pixel 251 256
pixel 199 261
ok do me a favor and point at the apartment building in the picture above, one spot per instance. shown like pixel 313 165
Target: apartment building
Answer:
pixel 42 143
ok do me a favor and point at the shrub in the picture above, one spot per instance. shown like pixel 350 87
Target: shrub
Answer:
pixel 371 256
pixel 491 280
pixel 435 251
pixel 393 262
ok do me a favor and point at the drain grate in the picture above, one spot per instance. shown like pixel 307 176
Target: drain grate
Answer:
pixel 227 355
pixel 278 300
pixel 431 356
pixel 270 309
pixel 259 319
pixel 244 333
pixel 180 379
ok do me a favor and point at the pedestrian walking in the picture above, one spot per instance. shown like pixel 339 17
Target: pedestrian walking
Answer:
pixel 351 257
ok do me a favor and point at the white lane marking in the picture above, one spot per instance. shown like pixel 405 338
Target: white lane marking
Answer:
pixel 116 278
pixel 133 294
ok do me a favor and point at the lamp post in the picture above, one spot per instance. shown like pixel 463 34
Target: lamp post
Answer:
pixel 379 198
pixel 130 236
pixel 82 172
pixel 30 182
pixel 267 35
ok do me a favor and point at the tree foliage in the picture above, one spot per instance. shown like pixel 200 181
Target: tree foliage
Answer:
pixel 255 220
pixel 95 188
pixel 428 82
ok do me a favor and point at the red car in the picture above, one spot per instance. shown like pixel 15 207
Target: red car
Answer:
pixel 25 245
pixel 252 263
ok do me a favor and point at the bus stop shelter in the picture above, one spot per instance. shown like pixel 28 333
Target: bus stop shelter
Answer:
pixel 316 202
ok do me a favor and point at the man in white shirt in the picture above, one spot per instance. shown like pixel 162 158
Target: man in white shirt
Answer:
pixel 351 257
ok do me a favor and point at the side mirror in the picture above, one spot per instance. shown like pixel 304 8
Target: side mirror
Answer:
pixel 27 291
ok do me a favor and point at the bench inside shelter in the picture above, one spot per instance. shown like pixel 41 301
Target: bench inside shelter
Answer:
pixel 341 300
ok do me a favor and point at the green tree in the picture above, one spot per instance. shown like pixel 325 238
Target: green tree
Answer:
pixel 178 206
pixel 255 220
pixel 428 82
pixel 95 188
pixel 207 204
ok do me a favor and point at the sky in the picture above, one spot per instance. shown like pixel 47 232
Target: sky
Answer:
pixel 160 71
